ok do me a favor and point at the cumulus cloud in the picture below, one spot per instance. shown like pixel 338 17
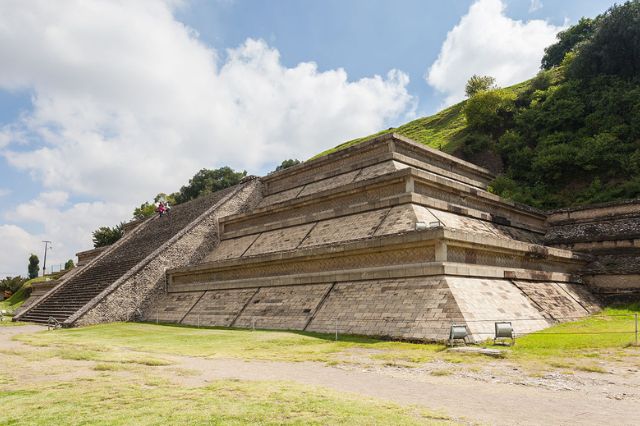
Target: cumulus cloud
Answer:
pixel 15 242
pixel 128 102
pixel 487 42
pixel 125 96
pixel 68 225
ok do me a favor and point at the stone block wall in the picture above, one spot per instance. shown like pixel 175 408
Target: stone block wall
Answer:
pixel 219 307
pixel 410 308
pixel 287 307
pixel 610 233
pixel 417 308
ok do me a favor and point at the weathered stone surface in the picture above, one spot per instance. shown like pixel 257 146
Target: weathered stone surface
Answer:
pixel 552 300
pixel 219 307
pixel 282 307
pixel 485 301
pixel 171 307
pixel 279 240
pixel 418 308
pixel 230 249
pixel 345 228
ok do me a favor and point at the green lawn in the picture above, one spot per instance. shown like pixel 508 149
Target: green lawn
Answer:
pixel 218 343
pixel 128 375
pixel 116 384
pixel 611 331
pixel 110 399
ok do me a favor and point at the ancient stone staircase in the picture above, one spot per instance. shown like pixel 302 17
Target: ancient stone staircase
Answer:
pixel 84 286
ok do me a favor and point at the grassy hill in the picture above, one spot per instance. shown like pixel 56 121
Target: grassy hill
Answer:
pixel 445 130
pixel 570 135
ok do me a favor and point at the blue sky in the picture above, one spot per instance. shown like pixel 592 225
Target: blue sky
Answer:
pixel 104 104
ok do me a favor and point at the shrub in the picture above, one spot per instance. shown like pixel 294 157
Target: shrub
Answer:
pixel 477 84
pixel 490 111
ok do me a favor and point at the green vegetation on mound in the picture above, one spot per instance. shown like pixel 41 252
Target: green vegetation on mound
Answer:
pixel 569 136
pixel 20 296
pixel 444 130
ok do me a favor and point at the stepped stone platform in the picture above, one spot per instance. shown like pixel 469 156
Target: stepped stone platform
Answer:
pixel 611 234
pixel 386 238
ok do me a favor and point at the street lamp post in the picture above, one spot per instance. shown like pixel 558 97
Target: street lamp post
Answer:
pixel 47 245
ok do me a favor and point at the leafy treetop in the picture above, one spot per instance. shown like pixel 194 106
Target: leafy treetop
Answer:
pixel 105 236
pixel 479 83
pixel 34 266
pixel 286 164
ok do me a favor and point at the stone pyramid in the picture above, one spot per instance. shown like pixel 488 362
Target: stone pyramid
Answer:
pixel 386 238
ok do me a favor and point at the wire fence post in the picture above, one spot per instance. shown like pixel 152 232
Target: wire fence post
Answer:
pixel 253 324
pixel 336 329
pixel 157 315
pixel 198 320
pixel 636 320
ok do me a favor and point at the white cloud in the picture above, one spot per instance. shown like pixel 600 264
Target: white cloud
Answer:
pixel 68 225
pixel 487 42
pixel 15 246
pixel 4 192
pixel 127 97
pixel 128 102
pixel 535 5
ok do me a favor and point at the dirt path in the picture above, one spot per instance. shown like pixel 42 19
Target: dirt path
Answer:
pixel 486 403
pixel 461 397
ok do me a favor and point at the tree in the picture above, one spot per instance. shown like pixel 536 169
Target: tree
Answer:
pixel 69 264
pixel 34 266
pixel 148 209
pixel 286 164
pixel 490 111
pixel 11 284
pixel 105 236
pixel 614 48
pixel 207 181
pixel 145 210
pixel 477 84
pixel 567 42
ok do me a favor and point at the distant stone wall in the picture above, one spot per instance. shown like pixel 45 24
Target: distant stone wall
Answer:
pixel 86 256
pixel 130 296
pixel 611 234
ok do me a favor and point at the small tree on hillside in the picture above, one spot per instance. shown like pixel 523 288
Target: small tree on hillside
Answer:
pixel 479 83
pixel 490 111
pixel 105 236
pixel 145 210
pixel 286 164
pixel 69 264
pixel 207 181
pixel 34 266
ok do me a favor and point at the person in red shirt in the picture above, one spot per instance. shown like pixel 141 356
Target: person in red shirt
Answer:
pixel 161 209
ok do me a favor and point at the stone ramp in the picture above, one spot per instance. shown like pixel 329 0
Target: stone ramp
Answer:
pixel 79 290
